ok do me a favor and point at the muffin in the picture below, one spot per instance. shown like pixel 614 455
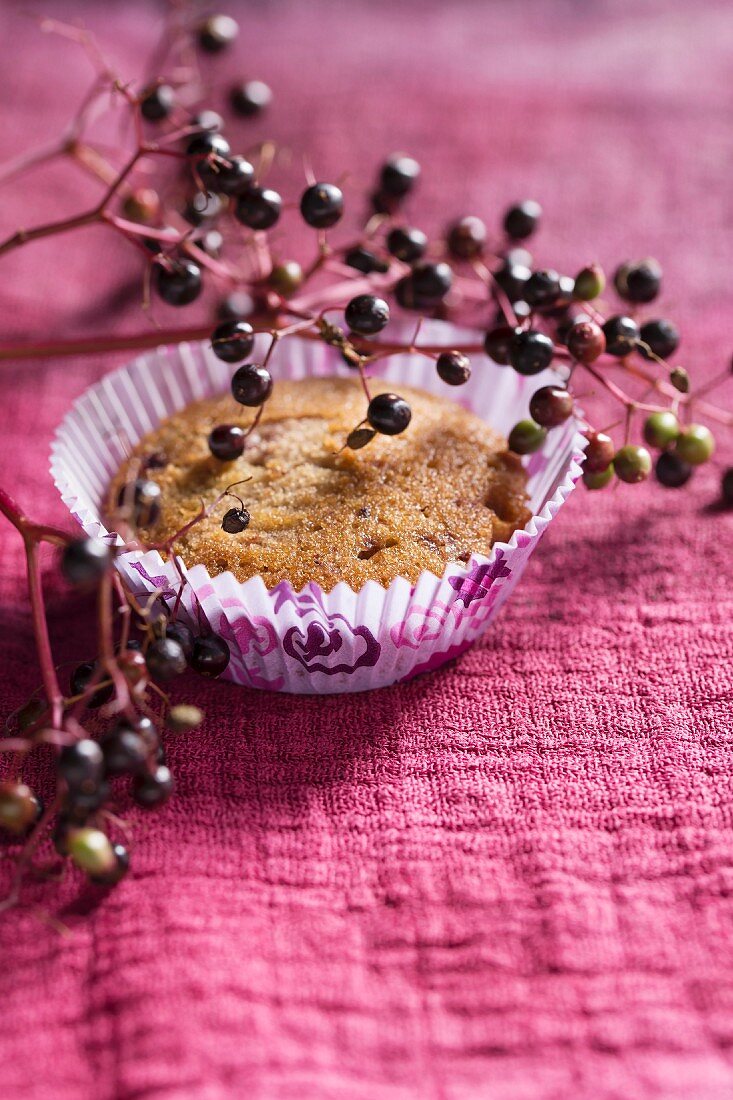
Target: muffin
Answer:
pixel 444 489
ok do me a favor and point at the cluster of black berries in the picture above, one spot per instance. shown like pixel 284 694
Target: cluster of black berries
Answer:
pixel 539 316
pixel 90 766
pixel 573 327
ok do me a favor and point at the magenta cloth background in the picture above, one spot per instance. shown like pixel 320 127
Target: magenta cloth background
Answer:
pixel 512 878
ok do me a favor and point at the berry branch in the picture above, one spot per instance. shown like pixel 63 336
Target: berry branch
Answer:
pixel 199 213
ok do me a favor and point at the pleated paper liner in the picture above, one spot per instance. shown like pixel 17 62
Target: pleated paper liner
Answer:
pixel 313 641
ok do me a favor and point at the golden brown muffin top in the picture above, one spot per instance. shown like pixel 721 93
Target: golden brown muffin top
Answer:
pixel 443 489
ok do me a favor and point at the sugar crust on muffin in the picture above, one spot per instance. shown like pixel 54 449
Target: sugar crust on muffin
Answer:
pixel 321 512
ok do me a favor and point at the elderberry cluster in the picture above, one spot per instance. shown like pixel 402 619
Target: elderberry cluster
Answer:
pixel 108 726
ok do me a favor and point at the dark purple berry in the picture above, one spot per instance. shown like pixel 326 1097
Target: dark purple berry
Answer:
pixel 638 282
pixel 467 238
pixel 80 680
pixel 142 499
pixel 322 205
pixel 361 259
pixel 226 442
pixel 389 414
pixel 153 788
pixel 235 521
pixel 406 296
pixel 382 203
pixel 621 335
pixel 81 764
pixel 453 367
pixel 81 801
pixel 157 103
pixel 367 314
pixel 661 337
pixel 208 143
pixel 125 751
pixel 251 384
pixel 178 282
pixel 233 176
pixel 250 98
pixel 210 655
pixel 216 32
pixel 512 278
pixel 85 561
pixel 542 289
pixel 521 220
pixel 530 352
pixel 498 344
pixel 232 341
pixel 406 243
pixel 672 471
pixel 551 406
pixel 145 728
pixel 399 175
pixel 182 634
pixel 259 208
pixel 432 281
pixel 165 659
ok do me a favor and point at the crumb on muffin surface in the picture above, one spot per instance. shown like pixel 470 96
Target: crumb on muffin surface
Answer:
pixel 445 488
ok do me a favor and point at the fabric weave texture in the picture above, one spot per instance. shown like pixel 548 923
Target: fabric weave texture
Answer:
pixel 511 878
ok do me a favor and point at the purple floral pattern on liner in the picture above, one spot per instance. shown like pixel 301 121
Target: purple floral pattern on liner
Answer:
pixel 161 584
pixel 309 599
pixel 423 624
pixel 252 635
pixel 316 650
pixel 249 674
pixel 476 585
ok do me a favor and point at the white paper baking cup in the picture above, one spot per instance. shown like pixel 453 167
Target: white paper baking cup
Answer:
pixel 314 641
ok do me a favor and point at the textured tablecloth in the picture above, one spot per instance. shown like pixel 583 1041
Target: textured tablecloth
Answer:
pixel 510 879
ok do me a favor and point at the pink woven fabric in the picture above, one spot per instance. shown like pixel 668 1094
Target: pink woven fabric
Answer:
pixel 511 878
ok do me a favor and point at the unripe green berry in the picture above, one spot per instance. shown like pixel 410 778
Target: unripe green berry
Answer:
pixel 286 277
pixel 19 807
pixel 589 283
pixel 661 429
pixel 632 464
pixel 526 437
pixel 91 850
pixel 184 717
pixel 597 479
pixel 695 444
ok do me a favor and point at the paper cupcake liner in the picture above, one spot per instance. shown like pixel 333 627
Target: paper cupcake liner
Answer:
pixel 314 641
